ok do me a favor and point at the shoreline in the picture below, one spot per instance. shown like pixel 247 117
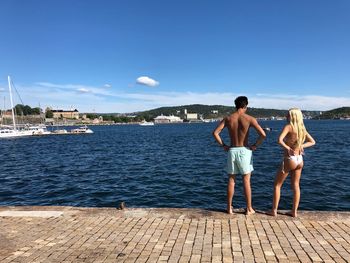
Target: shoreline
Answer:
pixel 169 212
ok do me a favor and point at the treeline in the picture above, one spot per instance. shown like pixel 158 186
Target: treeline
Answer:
pixel 115 118
pixel 214 111
pixel 25 110
pixel 343 112
pixel 204 111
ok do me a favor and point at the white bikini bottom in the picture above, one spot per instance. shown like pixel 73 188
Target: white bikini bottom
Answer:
pixel 297 159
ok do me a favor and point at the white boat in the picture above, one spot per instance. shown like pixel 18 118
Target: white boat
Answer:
pixel 80 130
pixel 39 130
pixel 13 131
pixel 9 133
pixel 147 123
pixel 267 129
pixel 61 131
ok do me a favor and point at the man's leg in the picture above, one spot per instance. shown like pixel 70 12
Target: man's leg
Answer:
pixel 248 194
pixel 295 179
pixel 230 192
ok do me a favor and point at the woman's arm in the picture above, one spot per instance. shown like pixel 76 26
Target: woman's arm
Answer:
pixel 309 141
pixel 281 142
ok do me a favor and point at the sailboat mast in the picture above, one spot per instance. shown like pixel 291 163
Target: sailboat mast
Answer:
pixel 13 113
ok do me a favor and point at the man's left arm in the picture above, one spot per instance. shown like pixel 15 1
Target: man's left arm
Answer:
pixel 261 133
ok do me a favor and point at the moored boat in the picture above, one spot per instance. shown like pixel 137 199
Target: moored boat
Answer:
pixel 13 131
pixel 81 130
pixel 61 131
pixel 40 129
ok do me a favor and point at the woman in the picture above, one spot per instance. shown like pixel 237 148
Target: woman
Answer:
pixel 294 139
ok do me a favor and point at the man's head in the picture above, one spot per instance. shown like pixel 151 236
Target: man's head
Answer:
pixel 241 102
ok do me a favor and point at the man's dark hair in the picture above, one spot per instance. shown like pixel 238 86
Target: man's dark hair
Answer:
pixel 241 102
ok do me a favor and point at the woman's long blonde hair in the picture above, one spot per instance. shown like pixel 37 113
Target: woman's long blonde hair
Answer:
pixel 297 123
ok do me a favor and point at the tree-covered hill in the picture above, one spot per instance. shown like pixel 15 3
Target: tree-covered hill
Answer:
pixel 343 112
pixel 214 111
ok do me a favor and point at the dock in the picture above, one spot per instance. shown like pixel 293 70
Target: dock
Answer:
pixel 72 234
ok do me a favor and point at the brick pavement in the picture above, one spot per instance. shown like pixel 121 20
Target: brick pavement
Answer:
pixel 68 234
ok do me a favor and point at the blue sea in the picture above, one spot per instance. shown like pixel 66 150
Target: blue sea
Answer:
pixel 170 165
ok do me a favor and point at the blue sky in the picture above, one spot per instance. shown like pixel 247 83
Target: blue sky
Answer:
pixel 90 55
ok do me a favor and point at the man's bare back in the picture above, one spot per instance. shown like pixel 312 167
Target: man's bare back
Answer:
pixel 238 128
pixel 238 124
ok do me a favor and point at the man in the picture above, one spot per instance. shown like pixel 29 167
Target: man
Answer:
pixel 240 157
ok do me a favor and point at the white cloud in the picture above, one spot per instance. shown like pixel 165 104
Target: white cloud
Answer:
pixel 74 87
pixel 144 80
pixel 282 101
pixel 305 102
pixel 83 90
pixel 107 86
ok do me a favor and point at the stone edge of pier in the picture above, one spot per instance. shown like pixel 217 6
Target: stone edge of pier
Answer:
pixel 190 213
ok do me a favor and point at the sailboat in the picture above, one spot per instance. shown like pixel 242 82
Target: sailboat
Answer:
pixel 8 131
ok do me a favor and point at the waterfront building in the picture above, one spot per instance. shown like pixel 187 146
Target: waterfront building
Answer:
pixel 67 114
pixel 191 116
pixel 167 119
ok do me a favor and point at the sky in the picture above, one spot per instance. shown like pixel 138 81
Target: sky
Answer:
pixel 111 56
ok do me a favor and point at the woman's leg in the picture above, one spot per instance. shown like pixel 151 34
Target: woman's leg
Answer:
pixel 295 180
pixel 279 179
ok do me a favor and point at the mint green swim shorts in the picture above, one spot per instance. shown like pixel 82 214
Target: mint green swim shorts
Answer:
pixel 239 160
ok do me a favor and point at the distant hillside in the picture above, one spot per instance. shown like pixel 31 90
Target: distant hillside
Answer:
pixel 214 111
pixel 343 112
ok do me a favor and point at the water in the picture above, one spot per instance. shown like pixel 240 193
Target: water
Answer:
pixel 176 165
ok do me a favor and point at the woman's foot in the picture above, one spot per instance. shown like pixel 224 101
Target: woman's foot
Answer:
pixel 293 214
pixel 230 210
pixel 250 211
pixel 272 212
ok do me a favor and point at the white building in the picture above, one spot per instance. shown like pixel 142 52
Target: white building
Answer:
pixel 167 119
pixel 68 114
pixel 191 116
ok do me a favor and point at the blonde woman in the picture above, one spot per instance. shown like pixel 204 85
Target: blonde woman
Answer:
pixel 294 139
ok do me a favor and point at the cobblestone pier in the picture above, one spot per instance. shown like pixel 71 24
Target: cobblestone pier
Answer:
pixel 70 234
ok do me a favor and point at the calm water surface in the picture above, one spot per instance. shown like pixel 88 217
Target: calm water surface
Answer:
pixel 176 165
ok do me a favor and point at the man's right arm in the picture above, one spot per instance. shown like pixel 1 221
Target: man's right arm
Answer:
pixel 217 131
pixel 260 132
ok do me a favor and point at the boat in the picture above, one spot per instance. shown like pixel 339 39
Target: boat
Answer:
pixel 40 129
pixel 146 123
pixel 61 131
pixel 267 129
pixel 12 131
pixel 81 130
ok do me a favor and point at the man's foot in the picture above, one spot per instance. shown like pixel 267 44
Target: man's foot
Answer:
pixel 272 212
pixel 249 212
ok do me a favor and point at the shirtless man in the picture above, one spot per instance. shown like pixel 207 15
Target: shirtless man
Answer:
pixel 240 157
